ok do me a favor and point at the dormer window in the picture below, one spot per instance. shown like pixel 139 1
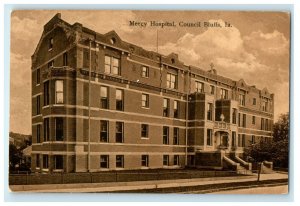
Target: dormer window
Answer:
pixel 173 61
pixel 112 40
pixel 50 46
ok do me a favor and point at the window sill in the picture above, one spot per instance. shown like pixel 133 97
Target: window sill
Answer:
pixel 51 49
pixel 146 138
pixel 119 168
pixel 104 169
pixel 58 170
pixel 113 75
pixel 44 107
pixel 38 84
pixel 144 168
pixel 172 89
pixel 45 170
pixel 58 105
pixel 145 107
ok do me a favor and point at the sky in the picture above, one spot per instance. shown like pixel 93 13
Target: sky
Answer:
pixel 255 48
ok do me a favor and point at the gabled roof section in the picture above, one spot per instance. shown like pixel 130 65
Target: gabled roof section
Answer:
pixel 54 22
pixel 242 84
pixel 265 92
pixel 112 34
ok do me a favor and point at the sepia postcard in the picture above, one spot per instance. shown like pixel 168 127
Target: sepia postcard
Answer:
pixel 137 101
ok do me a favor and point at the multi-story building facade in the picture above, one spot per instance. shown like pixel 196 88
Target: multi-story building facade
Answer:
pixel 100 103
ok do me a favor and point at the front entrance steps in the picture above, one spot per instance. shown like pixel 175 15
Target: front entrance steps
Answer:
pixel 237 164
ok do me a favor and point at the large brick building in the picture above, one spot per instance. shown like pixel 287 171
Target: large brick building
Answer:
pixel 137 109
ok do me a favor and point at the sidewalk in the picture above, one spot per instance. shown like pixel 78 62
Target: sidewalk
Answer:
pixel 138 185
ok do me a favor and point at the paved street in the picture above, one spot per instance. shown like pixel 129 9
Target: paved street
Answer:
pixel 283 189
pixel 142 185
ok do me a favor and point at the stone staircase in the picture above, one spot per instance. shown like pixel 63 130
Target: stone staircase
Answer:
pixel 237 164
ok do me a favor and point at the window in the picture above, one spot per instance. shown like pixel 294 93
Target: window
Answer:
pixel 37 161
pixel 176 136
pixel 266 124
pixel 262 125
pixel 46 129
pixel 166 104
pixel 119 99
pixel 50 64
pixel 112 65
pixel 145 161
pixel 264 106
pixel 46 93
pixel 45 161
pixel 243 140
pixel 59 129
pixel 119 132
pixel 145 100
pixel 120 161
pixel 244 120
pixel 166 160
pixel 199 87
pixel 176 159
pixel 233 139
pixel 209 137
pixel 38 105
pixel 242 99
pixel 65 59
pixel 104 97
pixel 38 133
pixel 234 113
pixel 165 135
pixel 104 161
pixel 254 101
pixel 144 131
pixel 38 76
pixel 212 89
pixel 58 162
pixel 224 94
pixel 59 92
pixel 239 140
pixel 176 109
pixel 253 139
pixel 112 40
pixel 209 111
pixel 239 120
pixel 171 81
pixel 50 46
pixel 145 71
pixel 103 131
pixel 253 119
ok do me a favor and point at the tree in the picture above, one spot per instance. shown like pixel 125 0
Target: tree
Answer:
pixel 15 157
pixel 281 128
pixel 276 150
